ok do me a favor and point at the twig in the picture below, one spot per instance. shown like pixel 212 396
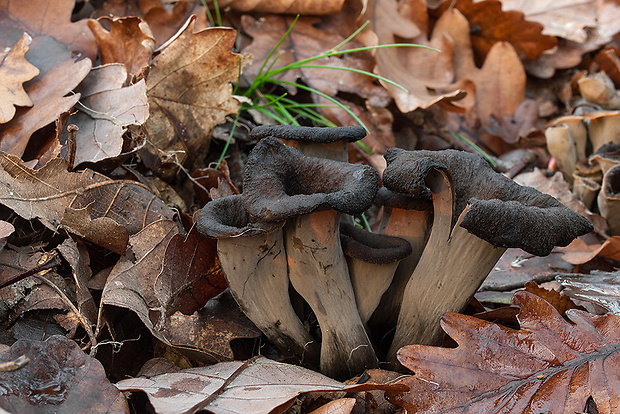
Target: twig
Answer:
pixel 15 364
pixel 50 262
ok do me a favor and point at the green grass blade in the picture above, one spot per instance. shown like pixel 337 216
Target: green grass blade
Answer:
pixel 363 72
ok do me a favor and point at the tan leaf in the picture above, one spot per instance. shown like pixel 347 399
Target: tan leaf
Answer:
pixel 14 71
pixel 258 385
pixel 340 406
pixel 129 42
pixel 46 194
pixel 189 90
pixel 106 109
pixel 548 365
pixel 302 7
pixel 47 91
pixel 42 17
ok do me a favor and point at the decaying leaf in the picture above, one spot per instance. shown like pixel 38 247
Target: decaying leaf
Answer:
pixel 58 377
pixel 302 7
pixel 258 386
pixel 46 194
pixel 191 274
pixel 129 42
pixel 40 17
pixel 14 71
pixel 548 365
pixel 106 109
pixel 340 406
pixel 600 288
pixel 190 92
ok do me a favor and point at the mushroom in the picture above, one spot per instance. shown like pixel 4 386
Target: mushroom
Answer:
pixel 252 257
pixel 328 142
pixel 478 213
pixel 409 218
pixel 562 147
pixel 604 128
pixel 609 199
pixel 280 183
pixel 372 259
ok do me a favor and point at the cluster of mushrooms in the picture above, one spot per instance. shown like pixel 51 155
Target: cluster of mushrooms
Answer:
pixel 290 237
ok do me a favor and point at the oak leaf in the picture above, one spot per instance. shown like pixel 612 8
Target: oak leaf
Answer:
pixel 105 110
pixel 301 7
pixel 258 385
pixel 548 365
pixel 190 92
pixel 600 288
pixel 38 17
pixel 14 71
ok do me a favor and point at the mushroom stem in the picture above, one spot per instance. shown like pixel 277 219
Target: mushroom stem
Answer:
pixel 318 271
pixel 442 281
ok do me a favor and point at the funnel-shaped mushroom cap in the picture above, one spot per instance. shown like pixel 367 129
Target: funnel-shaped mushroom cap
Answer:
pixel 313 134
pixel 501 211
pixel 281 182
pixel 226 217
pixel 372 247
pixel 388 198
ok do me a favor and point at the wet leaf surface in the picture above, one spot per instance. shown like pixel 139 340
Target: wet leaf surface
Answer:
pixel 59 377
pixel 547 364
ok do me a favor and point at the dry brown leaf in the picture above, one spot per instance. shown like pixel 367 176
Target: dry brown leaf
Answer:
pixel 191 274
pixel 46 194
pixel 301 7
pixel 340 406
pixel 106 109
pixel 101 231
pixel 6 229
pixel 41 17
pixel 14 71
pixel 562 18
pixel 131 283
pixel 190 92
pixel 493 25
pixel 548 365
pixel 58 377
pixel 47 91
pixel 258 385
pixel 580 252
pixel 129 42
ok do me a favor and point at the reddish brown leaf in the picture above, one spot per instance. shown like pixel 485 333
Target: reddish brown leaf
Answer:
pixel 41 17
pixel 493 25
pixel 14 71
pixel 191 274
pixel 257 386
pixel 59 377
pixel 190 92
pixel 559 301
pixel 129 42
pixel 548 365
pixel 580 252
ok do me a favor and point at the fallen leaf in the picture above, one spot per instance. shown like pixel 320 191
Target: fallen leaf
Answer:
pixel 48 93
pixel 131 283
pixel 46 194
pixel 208 334
pixel 105 110
pixel 600 288
pixel 546 365
pixel 190 92
pixel 101 231
pixel 556 299
pixel 40 17
pixel 580 252
pixel 58 377
pixel 129 41
pixel 492 25
pixel 14 71
pixel 292 7
pixel 6 229
pixel 340 406
pixel 191 274
pixel 258 385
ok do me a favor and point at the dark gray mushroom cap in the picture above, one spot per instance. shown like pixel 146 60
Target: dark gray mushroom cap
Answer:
pixel 313 134
pixel 281 182
pixel 225 217
pixel 372 247
pixel 501 211
pixel 391 199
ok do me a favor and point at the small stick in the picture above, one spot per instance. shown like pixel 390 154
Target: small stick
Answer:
pixel 50 262
pixel 15 364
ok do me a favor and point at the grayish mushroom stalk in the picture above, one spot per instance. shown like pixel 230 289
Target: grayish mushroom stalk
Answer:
pixel 447 219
